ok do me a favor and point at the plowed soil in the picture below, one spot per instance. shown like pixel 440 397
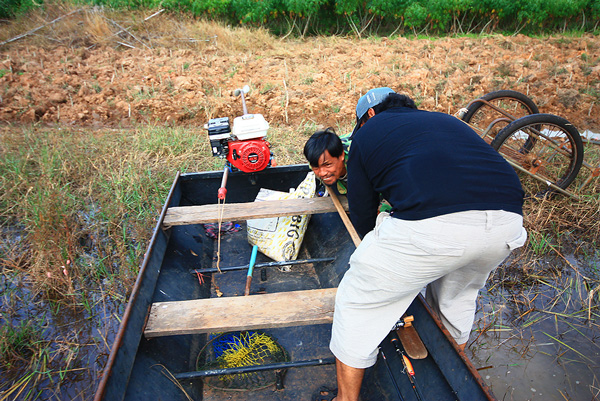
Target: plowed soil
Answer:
pixel 131 78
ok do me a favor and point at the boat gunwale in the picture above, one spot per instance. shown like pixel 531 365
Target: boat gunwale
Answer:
pixel 468 363
pixel 133 297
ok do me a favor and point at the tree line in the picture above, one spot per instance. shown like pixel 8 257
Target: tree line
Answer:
pixel 379 17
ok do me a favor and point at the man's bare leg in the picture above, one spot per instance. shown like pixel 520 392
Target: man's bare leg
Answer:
pixel 349 380
pixel 462 346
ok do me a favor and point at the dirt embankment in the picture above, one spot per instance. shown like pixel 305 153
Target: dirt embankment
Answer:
pixel 293 82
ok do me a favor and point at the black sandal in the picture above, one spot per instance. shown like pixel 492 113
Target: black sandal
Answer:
pixel 325 394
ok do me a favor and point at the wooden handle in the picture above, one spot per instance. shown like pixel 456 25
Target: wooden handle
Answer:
pixel 248 282
pixel 340 209
pixel 250 269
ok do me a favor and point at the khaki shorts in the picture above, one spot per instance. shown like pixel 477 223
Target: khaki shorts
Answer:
pixel 451 254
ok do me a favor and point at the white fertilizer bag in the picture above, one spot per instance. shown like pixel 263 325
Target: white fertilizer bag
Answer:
pixel 280 237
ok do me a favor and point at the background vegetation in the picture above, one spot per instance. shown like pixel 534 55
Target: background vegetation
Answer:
pixel 382 17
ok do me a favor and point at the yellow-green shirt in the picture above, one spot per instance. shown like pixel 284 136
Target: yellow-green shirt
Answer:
pixel 342 183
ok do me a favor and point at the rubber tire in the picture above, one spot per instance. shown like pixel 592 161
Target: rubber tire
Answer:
pixel 540 119
pixel 509 94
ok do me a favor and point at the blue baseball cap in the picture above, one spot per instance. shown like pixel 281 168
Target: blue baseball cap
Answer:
pixel 370 99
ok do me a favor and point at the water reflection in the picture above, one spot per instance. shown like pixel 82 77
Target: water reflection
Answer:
pixel 61 351
pixel 540 341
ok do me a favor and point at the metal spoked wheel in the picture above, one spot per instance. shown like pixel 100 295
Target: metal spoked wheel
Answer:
pixel 544 146
pixel 495 110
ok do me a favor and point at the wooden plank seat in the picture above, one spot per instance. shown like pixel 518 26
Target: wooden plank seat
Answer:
pixel 213 315
pixel 182 215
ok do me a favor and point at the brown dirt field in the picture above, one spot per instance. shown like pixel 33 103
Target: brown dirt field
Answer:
pixel 84 75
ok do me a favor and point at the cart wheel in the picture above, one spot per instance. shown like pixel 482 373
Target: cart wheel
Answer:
pixel 508 105
pixel 545 145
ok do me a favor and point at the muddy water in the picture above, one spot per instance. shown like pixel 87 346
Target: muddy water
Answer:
pixel 543 340
pixel 73 346
pixel 70 346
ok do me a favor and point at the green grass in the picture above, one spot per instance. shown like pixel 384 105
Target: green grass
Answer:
pixel 539 242
pixel 100 189
pixel 83 203
pixel 18 342
pixel 91 197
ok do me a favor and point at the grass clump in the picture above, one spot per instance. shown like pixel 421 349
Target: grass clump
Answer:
pixel 17 343
pixel 76 211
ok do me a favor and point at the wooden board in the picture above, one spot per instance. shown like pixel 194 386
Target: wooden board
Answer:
pixel 212 315
pixel 182 215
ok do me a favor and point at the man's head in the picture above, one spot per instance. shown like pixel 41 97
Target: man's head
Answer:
pixel 377 100
pixel 325 154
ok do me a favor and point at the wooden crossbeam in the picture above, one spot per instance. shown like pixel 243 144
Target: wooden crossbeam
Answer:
pixel 182 215
pixel 213 315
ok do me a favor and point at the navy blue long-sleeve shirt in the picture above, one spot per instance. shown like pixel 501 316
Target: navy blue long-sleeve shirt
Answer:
pixel 425 164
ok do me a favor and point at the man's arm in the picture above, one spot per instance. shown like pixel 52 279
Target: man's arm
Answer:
pixel 363 200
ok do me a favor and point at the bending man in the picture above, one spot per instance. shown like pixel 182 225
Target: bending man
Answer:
pixel 456 215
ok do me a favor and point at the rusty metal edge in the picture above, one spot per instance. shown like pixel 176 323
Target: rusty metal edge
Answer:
pixel 472 369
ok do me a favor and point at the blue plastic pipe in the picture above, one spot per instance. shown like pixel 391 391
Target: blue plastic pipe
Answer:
pixel 251 269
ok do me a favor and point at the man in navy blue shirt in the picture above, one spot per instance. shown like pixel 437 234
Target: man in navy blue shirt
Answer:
pixel 456 215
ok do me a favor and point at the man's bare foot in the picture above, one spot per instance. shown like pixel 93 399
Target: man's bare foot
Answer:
pixel 326 394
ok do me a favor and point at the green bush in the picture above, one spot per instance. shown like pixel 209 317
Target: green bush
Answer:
pixel 415 16
pixel 303 8
pixel 13 8
pixel 255 12
pixel 218 8
pixel 380 16
pixel 594 12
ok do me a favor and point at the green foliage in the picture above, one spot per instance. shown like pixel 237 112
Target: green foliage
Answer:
pixel 594 9
pixel 126 4
pixel 348 7
pixel 209 7
pixel 564 8
pixel 389 8
pixel 17 341
pixel 13 8
pixel 252 11
pixel 302 7
pixel 431 16
pixel 7 7
pixel 415 16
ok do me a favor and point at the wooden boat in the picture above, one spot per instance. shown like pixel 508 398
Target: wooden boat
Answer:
pixel 154 359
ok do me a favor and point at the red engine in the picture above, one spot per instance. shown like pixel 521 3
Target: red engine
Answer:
pixel 250 155
pixel 245 147
pixel 244 144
